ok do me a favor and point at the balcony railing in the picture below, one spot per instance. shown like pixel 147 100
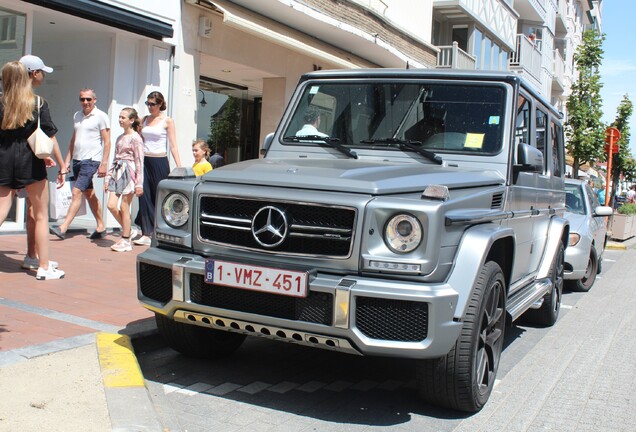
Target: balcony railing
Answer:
pixel 527 57
pixel 561 16
pixel 453 57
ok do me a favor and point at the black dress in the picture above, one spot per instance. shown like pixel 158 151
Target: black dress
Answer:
pixel 19 167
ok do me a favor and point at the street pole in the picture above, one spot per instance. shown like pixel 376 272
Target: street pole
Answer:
pixel 609 176
pixel 612 135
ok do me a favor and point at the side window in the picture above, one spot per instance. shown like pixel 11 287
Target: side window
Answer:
pixel 594 201
pixel 541 136
pixel 522 128
pixel 556 141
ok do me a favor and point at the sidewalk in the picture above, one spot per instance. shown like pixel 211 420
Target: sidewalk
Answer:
pixel 64 343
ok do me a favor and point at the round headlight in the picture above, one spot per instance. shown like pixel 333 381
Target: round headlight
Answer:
pixel 403 233
pixel 176 210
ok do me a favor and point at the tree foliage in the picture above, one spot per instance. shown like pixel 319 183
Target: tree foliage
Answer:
pixel 623 161
pixel 584 129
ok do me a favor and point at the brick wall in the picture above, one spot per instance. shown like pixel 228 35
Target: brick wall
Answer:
pixel 368 22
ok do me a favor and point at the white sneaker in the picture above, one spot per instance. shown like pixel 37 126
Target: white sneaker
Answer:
pixel 51 273
pixel 142 241
pixel 33 263
pixel 133 233
pixel 122 246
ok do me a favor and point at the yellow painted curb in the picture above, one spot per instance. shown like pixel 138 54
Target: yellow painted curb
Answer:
pixel 117 361
pixel 615 246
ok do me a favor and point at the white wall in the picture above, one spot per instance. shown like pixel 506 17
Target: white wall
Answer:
pixel 412 16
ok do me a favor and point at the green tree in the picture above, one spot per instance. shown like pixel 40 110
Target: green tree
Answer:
pixel 623 162
pixel 225 125
pixel 584 130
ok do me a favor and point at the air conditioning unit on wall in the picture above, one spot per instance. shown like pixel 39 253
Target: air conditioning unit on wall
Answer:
pixel 205 27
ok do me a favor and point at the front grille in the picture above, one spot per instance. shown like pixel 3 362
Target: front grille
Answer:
pixel 394 320
pixel 155 282
pixel 313 229
pixel 317 307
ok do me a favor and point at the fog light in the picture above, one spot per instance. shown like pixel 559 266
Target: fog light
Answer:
pixel 394 266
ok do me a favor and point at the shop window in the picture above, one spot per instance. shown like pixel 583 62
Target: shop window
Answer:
pixel 228 119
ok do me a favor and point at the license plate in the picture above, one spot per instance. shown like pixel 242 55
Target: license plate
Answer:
pixel 257 278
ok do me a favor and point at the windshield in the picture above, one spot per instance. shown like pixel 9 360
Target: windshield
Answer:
pixel 574 201
pixel 447 117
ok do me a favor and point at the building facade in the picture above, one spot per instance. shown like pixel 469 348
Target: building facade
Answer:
pixel 122 50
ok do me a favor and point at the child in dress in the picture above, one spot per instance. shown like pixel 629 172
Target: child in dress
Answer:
pixel 201 153
pixel 125 176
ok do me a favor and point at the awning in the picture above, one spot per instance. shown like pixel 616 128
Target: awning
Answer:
pixel 109 15
pixel 247 21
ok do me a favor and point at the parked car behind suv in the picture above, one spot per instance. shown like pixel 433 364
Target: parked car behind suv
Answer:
pixel 588 235
pixel 405 213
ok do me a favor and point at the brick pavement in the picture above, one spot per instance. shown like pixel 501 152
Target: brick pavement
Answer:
pixel 98 292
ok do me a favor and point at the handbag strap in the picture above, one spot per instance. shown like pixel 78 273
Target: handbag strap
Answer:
pixel 38 111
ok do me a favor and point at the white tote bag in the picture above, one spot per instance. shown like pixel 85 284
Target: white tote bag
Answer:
pixel 40 142
pixel 60 201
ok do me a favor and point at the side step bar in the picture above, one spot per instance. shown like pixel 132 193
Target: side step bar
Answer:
pixel 530 297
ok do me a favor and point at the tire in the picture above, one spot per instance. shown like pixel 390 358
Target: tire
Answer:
pixel 548 313
pixel 464 378
pixel 198 342
pixel 585 283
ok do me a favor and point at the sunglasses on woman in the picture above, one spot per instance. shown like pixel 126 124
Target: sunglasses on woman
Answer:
pixel 151 104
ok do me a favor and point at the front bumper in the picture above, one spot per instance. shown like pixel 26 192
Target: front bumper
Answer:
pixel 369 316
pixel 576 260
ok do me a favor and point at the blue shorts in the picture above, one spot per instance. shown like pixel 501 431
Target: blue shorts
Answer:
pixel 83 172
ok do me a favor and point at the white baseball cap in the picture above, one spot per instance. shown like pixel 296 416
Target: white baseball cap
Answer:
pixel 34 63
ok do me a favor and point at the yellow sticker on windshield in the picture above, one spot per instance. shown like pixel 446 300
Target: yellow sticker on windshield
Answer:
pixel 474 140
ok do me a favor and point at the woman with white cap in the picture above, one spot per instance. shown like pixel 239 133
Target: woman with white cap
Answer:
pixel 37 71
pixel 19 167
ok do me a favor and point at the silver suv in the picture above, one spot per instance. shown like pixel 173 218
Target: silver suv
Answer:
pixel 405 213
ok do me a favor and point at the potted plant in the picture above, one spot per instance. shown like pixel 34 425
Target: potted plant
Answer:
pixel 624 222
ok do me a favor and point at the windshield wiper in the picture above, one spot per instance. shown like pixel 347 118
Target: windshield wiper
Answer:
pixel 406 145
pixel 326 141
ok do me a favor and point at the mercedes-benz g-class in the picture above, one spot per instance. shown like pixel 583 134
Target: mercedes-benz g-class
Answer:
pixel 406 213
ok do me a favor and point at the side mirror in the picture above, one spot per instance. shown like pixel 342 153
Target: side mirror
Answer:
pixel 529 159
pixel 603 211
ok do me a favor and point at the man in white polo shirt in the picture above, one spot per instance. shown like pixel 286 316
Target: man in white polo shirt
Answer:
pixel 90 149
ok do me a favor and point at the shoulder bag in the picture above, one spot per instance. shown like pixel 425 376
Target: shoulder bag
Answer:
pixel 40 142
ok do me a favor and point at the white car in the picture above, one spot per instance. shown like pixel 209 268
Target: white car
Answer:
pixel 588 235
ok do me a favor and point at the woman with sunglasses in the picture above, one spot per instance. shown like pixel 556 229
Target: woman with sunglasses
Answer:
pixel 158 132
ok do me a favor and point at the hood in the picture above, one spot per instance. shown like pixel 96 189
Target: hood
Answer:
pixel 350 175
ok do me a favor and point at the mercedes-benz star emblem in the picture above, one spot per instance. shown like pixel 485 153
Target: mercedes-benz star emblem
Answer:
pixel 269 226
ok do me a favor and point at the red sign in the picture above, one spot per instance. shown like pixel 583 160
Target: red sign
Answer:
pixel 615 148
pixel 612 135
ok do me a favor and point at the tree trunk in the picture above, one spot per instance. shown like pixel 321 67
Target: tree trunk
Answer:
pixel 575 168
